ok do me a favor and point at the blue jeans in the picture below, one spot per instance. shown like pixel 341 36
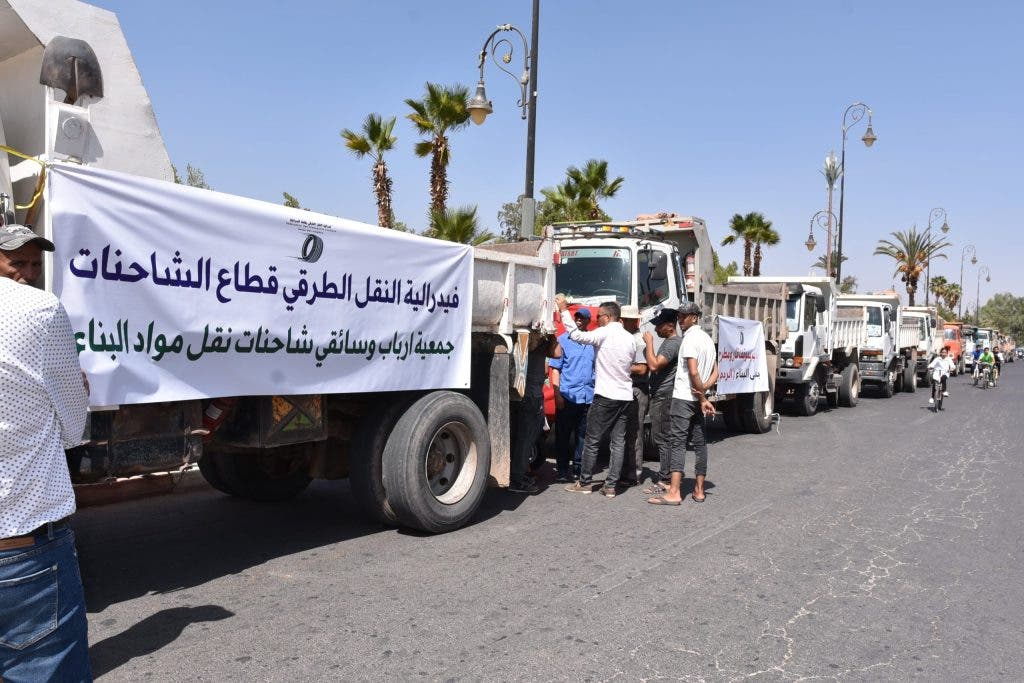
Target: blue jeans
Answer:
pixel 570 430
pixel 42 612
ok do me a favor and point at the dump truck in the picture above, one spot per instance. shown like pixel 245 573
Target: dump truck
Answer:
pixel 953 339
pixel 819 359
pixel 888 360
pixel 659 261
pixel 930 337
pixel 420 458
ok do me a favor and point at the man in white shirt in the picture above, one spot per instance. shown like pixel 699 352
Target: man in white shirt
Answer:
pixel 42 411
pixel 613 392
pixel 690 406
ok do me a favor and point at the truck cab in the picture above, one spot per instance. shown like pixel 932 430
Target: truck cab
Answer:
pixel 929 339
pixel 952 337
pixel 652 263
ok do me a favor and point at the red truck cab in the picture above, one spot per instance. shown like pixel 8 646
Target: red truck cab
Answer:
pixel 954 341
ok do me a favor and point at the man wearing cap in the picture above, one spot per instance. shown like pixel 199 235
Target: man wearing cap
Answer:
pixel 615 352
pixel 21 254
pixel 663 365
pixel 689 407
pixel 572 379
pixel 42 411
pixel 633 467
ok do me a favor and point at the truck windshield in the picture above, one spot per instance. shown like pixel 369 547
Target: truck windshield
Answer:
pixel 981 337
pixel 599 273
pixel 792 314
pixel 949 334
pixel 874 321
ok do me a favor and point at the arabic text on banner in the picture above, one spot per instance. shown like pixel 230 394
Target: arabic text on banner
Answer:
pixel 177 293
pixel 742 364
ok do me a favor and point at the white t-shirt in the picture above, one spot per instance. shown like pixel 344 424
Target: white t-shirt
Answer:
pixel 696 344
pixel 941 367
pixel 615 354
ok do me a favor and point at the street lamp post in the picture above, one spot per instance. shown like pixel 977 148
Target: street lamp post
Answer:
pixel 974 260
pixel 977 295
pixel 855 112
pixel 479 106
pixel 824 220
pixel 933 215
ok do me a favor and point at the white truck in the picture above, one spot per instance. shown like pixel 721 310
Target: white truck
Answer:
pixel 888 358
pixel 929 337
pixel 436 448
pixel 659 261
pixel 819 357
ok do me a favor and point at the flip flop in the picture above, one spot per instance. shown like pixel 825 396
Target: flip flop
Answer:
pixel 654 488
pixel 660 500
pixel 698 500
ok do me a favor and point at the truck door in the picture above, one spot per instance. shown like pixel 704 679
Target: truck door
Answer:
pixel 653 286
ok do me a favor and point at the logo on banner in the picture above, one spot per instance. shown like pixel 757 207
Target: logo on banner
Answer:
pixel 312 249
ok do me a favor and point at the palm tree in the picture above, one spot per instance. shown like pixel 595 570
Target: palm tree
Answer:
pixel 760 232
pixel 458 225
pixel 738 225
pixel 591 184
pixel 820 263
pixel 441 111
pixel 564 200
pixel 939 287
pixel 911 251
pixel 375 139
pixel 953 294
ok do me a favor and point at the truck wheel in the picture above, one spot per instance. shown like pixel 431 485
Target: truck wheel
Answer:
pixel 436 462
pixel 849 386
pixel 208 468
pixel 807 402
pixel 888 387
pixel 266 475
pixel 910 379
pixel 756 411
pixel 366 471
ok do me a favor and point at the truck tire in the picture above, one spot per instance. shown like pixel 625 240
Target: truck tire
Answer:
pixel 436 462
pixel 366 470
pixel 265 475
pixel 208 468
pixel 910 379
pixel 888 387
pixel 807 401
pixel 756 411
pixel 849 386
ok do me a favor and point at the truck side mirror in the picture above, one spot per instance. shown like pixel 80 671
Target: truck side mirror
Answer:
pixel 820 304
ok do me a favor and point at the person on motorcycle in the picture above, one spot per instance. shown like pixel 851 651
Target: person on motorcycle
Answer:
pixel 986 358
pixel 940 369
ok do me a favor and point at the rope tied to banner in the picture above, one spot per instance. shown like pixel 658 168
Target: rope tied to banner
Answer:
pixel 40 184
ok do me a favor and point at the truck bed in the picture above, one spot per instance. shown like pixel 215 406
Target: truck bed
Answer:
pixel 514 287
pixel 766 303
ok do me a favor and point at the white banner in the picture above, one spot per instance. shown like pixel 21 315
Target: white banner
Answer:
pixel 178 293
pixel 742 364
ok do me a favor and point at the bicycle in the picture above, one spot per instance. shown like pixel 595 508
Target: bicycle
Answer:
pixel 937 393
pixel 986 375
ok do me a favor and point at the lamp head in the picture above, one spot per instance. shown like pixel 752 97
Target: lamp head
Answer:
pixel 810 243
pixel 974 260
pixel 869 137
pixel 479 106
pixel 945 226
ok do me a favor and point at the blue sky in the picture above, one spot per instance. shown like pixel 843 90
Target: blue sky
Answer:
pixel 706 108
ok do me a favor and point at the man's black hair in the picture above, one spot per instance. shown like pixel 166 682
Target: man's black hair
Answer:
pixel 612 309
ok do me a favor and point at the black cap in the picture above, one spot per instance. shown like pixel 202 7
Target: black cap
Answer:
pixel 666 315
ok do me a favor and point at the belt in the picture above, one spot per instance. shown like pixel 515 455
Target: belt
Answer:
pixel 28 540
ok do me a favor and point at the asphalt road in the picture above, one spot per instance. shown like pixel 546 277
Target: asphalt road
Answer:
pixel 881 542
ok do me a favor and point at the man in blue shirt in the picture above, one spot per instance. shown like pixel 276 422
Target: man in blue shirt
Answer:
pixel 572 380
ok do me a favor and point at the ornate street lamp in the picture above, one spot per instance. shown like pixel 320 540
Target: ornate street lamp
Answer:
pixel 974 260
pixel 933 215
pixel 824 220
pixel 479 106
pixel 854 113
pixel 977 295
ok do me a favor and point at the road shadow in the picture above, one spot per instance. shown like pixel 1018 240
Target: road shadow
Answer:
pixel 149 635
pixel 176 542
